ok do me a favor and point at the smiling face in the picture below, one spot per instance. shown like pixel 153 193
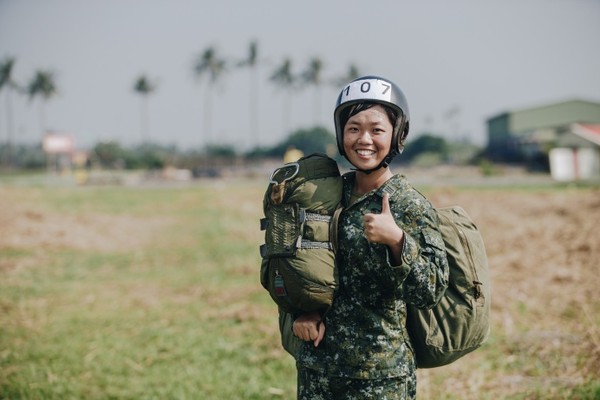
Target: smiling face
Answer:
pixel 368 137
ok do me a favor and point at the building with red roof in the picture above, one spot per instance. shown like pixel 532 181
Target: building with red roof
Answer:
pixel 528 135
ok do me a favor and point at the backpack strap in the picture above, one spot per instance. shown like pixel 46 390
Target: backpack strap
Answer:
pixel 390 188
pixel 303 216
pixel 333 228
pixel 308 217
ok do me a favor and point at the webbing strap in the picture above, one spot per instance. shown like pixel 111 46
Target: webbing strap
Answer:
pixel 302 244
pixel 304 217
pixel 316 217
pixel 264 223
pixel 333 228
pixel 308 244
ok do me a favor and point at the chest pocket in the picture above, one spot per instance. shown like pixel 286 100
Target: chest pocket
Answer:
pixel 363 267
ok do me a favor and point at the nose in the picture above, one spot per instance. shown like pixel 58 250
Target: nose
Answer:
pixel 365 137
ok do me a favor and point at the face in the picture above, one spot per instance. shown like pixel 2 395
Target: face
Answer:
pixel 368 137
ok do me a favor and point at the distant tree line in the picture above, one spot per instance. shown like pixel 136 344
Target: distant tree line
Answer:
pixel 209 67
pixel 423 150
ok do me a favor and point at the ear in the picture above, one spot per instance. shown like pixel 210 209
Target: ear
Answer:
pixel 402 137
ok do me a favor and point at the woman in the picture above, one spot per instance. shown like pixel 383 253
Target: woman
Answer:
pixel 390 253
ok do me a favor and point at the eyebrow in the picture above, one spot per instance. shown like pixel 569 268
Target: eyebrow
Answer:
pixel 357 123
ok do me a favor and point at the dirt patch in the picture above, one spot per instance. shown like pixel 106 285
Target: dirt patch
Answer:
pixel 544 252
pixel 543 248
pixel 25 227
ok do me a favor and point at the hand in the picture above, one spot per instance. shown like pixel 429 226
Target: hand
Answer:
pixel 309 327
pixel 382 228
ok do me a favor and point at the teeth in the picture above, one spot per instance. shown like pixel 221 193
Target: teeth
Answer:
pixel 365 152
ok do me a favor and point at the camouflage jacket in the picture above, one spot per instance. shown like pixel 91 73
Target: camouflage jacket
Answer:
pixel 365 334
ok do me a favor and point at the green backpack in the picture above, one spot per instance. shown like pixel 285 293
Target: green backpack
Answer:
pixel 460 322
pixel 297 267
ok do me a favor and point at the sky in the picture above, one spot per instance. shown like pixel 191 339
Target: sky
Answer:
pixel 458 62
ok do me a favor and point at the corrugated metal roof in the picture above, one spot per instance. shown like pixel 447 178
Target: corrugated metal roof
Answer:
pixel 589 132
pixel 549 115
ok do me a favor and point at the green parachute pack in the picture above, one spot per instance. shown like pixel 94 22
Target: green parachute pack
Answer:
pixel 460 321
pixel 298 268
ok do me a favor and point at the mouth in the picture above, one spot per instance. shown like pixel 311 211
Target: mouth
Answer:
pixel 365 153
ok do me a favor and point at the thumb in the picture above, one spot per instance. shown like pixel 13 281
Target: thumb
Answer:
pixel 385 204
pixel 321 334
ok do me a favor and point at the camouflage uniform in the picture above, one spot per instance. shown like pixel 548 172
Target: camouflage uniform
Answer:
pixel 315 385
pixel 365 337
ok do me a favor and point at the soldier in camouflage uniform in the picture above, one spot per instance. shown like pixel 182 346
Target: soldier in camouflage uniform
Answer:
pixel 390 253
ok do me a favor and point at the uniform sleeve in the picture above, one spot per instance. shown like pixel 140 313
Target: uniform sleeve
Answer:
pixel 423 271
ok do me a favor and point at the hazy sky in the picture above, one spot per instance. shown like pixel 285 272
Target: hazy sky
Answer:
pixel 479 58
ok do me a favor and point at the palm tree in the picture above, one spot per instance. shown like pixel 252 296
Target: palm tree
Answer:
pixel 452 116
pixel 352 73
pixel 209 64
pixel 251 62
pixel 144 87
pixel 312 76
pixel 42 85
pixel 6 80
pixel 283 77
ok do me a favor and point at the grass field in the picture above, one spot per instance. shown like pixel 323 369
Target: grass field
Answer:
pixel 153 293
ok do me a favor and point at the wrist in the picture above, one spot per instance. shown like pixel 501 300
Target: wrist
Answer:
pixel 397 239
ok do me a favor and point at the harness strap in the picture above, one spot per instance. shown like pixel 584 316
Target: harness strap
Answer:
pixel 333 228
pixel 303 217
pixel 315 217
pixel 308 244
pixel 301 243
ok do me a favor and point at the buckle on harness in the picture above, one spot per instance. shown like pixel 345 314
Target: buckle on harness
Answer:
pixel 288 171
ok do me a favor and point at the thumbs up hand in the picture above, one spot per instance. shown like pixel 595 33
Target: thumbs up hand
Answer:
pixel 382 228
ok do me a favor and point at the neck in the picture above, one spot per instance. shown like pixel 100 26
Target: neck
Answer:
pixel 366 182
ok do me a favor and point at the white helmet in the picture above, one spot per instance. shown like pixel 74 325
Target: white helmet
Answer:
pixel 374 90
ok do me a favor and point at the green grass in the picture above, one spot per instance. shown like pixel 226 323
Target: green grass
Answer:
pixel 184 316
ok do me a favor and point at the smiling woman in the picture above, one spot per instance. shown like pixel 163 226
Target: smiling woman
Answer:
pixel 364 93
pixel 390 255
pixel 368 136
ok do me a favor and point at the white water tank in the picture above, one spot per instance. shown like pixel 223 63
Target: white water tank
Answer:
pixel 570 164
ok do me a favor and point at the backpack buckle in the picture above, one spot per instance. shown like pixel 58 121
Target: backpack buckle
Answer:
pixel 288 171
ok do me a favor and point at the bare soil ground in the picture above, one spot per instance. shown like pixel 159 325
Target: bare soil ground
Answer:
pixel 544 256
pixel 30 226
